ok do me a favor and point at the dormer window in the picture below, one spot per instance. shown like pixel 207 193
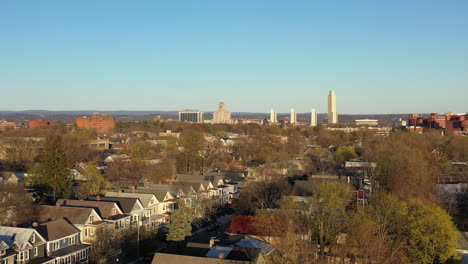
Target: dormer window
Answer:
pixel 3 252
pixel 33 238
pixel 114 211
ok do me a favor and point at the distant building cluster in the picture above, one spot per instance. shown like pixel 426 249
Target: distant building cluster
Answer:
pixel 367 122
pixel 450 123
pixel 222 116
pixel 99 123
pixel 41 123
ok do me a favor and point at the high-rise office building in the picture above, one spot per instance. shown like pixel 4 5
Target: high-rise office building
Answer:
pixel 313 117
pixel 191 116
pixel 222 116
pixel 293 118
pixel 332 114
pixel 273 116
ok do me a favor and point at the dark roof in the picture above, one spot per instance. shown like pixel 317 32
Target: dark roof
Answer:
pixel 69 250
pixel 165 258
pixel 56 229
pixel 103 209
pixel 195 249
pixel 76 215
pixel 125 204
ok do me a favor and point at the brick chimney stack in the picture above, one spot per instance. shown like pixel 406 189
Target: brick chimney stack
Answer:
pixel 221 255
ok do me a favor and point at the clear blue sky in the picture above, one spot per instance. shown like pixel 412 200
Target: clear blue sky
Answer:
pixel 379 56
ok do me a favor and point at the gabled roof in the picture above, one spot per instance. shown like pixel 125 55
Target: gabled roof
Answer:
pixel 56 229
pixel 3 245
pixel 76 215
pixel 145 197
pixel 104 209
pixel 18 236
pixel 127 204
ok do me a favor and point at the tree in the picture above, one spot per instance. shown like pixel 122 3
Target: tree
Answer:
pixel 262 195
pixel 123 173
pixel 53 170
pixel 15 204
pixel 95 182
pixel 429 234
pixel 328 210
pixel 343 154
pixel 180 225
pixel 407 168
pixel 189 158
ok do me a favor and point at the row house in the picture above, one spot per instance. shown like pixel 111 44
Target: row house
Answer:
pixel 63 243
pixel 161 204
pixel 21 245
pixel 87 220
pixel 108 211
pixel 139 216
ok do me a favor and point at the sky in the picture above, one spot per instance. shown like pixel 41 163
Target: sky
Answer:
pixel 394 56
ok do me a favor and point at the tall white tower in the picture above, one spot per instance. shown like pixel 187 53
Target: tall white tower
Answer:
pixel 273 116
pixel 332 114
pixel 293 118
pixel 313 118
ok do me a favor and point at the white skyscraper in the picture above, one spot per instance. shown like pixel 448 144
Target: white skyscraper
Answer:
pixel 293 118
pixel 273 116
pixel 332 114
pixel 313 118
pixel 222 116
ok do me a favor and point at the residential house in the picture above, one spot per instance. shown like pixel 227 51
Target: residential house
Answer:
pixel 25 244
pixel 149 202
pixel 63 242
pixel 7 255
pixel 9 177
pixel 133 207
pixel 86 219
pixel 108 211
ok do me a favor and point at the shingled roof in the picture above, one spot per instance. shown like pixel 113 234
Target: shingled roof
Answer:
pixel 125 203
pixel 104 209
pixel 76 215
pixel 56 229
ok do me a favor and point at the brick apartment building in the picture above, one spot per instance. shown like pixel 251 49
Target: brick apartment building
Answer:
pixel 41 123
pixel 451 123
pixel 99 123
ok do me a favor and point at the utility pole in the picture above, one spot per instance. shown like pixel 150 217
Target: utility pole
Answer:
pixel 138 241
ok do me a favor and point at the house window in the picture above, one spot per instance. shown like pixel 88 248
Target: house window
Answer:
pixel 23 255
pixel 72 240
pixel 91 218
pixel 36 251
pixel 114 211
pixel 86 232
pixel 33 238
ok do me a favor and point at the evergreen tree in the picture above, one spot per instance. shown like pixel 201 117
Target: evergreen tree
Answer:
pixel 181 224
pixel 53 170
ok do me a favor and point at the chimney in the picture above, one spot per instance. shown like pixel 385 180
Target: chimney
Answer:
pixel 133 188
pixel 212 241
pixel 15 224
pixel 98 197
pixel 221 255
pixel 120 192
pixel 35 224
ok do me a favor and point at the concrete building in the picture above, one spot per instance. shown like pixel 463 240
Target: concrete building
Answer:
pixel 191 116
pixel 6 125
pixel 367 122
pixel 332 114
pixel 222 116
pixel 293 117
pixel 273 116
pixel 41 123
pixel 313 117
pixel 99 123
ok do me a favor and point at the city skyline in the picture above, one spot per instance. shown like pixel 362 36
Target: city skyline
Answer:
pixel 393 57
